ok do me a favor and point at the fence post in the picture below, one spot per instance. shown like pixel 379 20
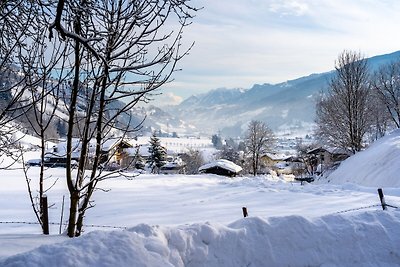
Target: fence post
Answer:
pixel 45 214
pixel 382 198
pixel 62 214
pixel 245 214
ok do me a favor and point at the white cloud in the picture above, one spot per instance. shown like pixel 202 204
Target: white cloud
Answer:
pixel 289 7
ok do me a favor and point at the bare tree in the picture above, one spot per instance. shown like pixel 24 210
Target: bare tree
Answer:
pixel 309 161
pixel 386 83
pixel 193 160
pixel 123 51
pixel 27 64
pixel 343 116
pixel 17 30
pixel 381 120
pixel 259 139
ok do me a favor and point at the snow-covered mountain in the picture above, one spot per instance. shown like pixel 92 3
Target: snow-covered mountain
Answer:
pixel 149 117
pixel 290 104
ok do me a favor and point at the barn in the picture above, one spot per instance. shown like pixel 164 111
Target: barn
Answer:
pixel 221 167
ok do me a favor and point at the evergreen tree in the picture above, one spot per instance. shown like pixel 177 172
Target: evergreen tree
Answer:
pixel 158 154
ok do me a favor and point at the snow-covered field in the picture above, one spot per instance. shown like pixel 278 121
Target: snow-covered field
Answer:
pixel 178 220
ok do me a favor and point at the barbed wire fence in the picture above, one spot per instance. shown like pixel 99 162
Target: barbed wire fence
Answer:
pixel 383 204
pixel 54 223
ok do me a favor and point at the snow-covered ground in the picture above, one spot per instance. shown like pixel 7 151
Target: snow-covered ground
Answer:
pixel 378 165
pixel 178 220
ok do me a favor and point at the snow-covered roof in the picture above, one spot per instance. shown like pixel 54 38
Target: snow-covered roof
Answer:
pixel 331 150
pixel 222 163
pixel 60 150
pixel 274 156
pixel 110 143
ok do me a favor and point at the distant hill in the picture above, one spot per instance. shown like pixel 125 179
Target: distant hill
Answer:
pixel 150 118
pixel 289 105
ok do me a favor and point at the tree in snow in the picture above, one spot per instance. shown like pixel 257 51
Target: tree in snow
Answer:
pixel 386 84
pixel 193 160
pixel 21 58
pixel 231 152
pixel 343 114
pixel 309 161
pixel 122 52
pixel 157 155
pixel 216 141
pixel 259 139
pixel 29 82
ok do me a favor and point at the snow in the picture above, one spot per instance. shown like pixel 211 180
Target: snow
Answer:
pixel 245 242
pixel 182 220
pixel 377 166
pixel 222 163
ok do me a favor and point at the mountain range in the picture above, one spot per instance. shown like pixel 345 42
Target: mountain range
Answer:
pixel 287 106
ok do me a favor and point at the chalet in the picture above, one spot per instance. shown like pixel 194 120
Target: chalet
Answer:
pixel 327 157
pixel 329 154
pixel 270 159
pixel 118 153
pixel 281 164
pixel 221 167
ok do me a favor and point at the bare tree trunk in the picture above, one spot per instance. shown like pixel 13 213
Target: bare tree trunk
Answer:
pixel 73 190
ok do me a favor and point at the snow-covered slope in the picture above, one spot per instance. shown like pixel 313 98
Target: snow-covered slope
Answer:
pixel 378 165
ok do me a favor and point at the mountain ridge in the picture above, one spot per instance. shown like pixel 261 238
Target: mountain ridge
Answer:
pixel 287 103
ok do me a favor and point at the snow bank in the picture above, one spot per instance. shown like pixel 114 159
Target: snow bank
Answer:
pixel 359 239
pixel 377 166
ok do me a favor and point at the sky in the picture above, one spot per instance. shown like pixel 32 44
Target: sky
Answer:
pixel 239 43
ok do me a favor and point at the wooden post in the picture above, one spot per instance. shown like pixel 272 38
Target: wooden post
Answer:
pixel 45 215
pixel 382 198
pixel 62 214
pixel 245 214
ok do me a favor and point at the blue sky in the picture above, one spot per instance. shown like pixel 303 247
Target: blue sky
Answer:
pixel 239 43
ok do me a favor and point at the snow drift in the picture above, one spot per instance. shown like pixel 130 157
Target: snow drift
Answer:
pixel 361 239
pixel 377 166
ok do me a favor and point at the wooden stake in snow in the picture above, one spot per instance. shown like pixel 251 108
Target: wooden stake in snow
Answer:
pixel 62 214
pixel 382 198
pixel 245 214
pixel 45 214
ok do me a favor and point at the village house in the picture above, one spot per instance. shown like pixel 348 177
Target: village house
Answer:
pixel 281 164
pixel 118 152
pixel 326 157
pixel 221 167
pixel 115 153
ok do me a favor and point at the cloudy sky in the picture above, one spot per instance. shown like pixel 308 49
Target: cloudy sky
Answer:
pixel 239 43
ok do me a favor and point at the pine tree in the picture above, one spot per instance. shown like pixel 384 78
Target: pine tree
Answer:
pixel 158 154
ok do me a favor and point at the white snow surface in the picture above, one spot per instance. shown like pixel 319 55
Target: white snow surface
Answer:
pixel 377 166
pixel 222 163
pixel 368 239
pixel 196 221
